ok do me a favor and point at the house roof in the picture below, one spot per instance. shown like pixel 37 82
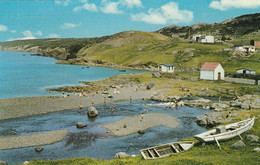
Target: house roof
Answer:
pixel 168 65
pixel 249 69
pixel 209 66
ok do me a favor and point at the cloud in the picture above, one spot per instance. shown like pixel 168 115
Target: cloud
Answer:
pixel 27 34
pixel 69 25
pixel 62 2
pixel 38 33
pixel 111 7
pixel 87 6
pixel 168 13
pixel 229 4
pixel 13 31
pixel 3 28
pixel 131 3
pixel 52 35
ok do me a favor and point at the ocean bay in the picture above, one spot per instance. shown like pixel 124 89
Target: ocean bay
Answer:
pixel 23 75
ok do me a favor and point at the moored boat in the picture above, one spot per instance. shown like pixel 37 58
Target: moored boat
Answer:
pixel 122 70
pixel 226 132
pixel 164 150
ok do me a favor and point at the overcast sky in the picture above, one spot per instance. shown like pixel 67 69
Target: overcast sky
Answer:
pixel 29 19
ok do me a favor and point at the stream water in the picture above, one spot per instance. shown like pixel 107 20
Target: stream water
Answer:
pixel 93 141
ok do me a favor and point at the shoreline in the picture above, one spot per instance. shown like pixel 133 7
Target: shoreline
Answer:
pixel 12 108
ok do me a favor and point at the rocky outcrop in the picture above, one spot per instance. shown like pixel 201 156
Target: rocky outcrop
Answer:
pixel 203 103
pixel 92 112
pixel 246 102
pixel 211 120
pixel 121 155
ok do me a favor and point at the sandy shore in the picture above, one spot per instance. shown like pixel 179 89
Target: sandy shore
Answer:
pixel 27 106
pixel 32 140
pixel 130 125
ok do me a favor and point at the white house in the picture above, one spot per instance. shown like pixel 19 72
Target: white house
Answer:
pixel 212 71
pixel 206 39
pixel 169 68
pixel 244 48
pixel 246 71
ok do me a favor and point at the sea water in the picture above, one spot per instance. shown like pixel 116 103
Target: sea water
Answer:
pixel 23 75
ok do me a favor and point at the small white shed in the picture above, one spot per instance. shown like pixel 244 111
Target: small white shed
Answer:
pixel 246 71
pixel 212 71
pixel 207 39
pixel 244 48
pixel 169 68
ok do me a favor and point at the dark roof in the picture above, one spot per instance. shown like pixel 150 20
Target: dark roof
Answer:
pixel 168 65
pixel 249 69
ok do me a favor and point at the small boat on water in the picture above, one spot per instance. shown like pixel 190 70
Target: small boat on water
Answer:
pixel 226 132
pixel 164 150
pixel 122 70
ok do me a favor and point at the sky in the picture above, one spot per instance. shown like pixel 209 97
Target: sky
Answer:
pixel 33 19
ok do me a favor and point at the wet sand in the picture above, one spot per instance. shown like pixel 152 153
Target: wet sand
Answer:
pixel 28 106
pixel 32 140
pixel 130 125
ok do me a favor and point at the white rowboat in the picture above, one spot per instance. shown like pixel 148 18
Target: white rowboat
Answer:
pixel 226 132
pixel 164 150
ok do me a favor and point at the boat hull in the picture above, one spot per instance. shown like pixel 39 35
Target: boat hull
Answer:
pixel 232 130
pixel 165 150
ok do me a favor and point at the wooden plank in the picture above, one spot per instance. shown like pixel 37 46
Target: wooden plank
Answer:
pixel 217 143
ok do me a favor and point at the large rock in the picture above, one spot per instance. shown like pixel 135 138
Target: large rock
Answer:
pixel 198 103
pixel 81 125
pixel 150 86
pixel 256 149
pixel 157 74
pixel 238 144
pixel 92 112
pixel 141 131
pixel 121 155
pixel 236 104
pixel 252 138
pixel 245 104
pixel 219 106
pixel 256 103
pixel 38 149
pixel 209 120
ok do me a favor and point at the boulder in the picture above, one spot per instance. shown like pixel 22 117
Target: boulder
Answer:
pixel 3 163
pixel 236 103
pixel 141 131
pixel 26 162
pixel 92 112
pixel 197 103
pixel 256 149
pixel 38 149
pixel 121 155
pixel 252 138
pixel 81 125
pixel 218 106
pixel 238 144
pixel 157 74
pixel 209 120
pixel 245 104
pixel 256 103
pixel 150 86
